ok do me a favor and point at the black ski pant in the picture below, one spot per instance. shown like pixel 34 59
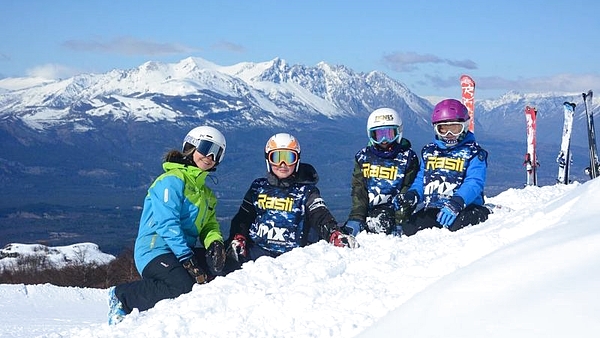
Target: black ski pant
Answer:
pixel 427 218
pixel 164 277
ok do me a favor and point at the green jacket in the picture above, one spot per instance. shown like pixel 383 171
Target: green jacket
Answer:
pixel 179 209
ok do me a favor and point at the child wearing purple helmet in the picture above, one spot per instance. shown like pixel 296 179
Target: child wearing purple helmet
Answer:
pixel 449 186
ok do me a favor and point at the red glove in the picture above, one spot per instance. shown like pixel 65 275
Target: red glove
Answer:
pixel 337 238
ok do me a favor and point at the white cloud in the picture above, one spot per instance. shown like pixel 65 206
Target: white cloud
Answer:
pixel 52 71
pixel 126 45
pixel 229 46
pixel 408 61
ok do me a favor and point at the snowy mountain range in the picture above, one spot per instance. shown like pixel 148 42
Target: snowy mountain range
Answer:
pixel 269 94
pixel 86 148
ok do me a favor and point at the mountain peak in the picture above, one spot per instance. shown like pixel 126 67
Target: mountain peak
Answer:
pixel 197 63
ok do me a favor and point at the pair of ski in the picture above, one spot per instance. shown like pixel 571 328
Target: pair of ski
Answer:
pixel 594 169
pixel 564 158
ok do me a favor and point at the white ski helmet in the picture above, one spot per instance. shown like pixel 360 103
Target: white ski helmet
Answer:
pixel 384 117
pixel 282 141
pixel 207 141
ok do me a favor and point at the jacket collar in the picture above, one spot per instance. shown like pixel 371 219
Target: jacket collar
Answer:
pixel 193 172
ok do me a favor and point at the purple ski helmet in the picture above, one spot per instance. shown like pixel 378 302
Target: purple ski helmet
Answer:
pixel 449 110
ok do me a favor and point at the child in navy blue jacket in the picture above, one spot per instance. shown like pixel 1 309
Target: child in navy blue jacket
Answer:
pixel 383 170
pixel 283 210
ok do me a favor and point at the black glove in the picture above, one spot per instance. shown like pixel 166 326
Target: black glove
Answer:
pixel 215 257
pixel 192 267
pixel 410 200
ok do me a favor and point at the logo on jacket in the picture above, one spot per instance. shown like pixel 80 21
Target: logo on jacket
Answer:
pixel 377 171
pixel 275 203
pixel 446 189
pixel 455 164
pixel 272 233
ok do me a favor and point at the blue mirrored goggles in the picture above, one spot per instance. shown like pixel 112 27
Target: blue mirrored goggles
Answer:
pixel 289 157
pixel 382 134
pixel 208 148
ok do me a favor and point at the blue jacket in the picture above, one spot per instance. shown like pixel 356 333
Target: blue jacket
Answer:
pixel 178 210
pixel 459 170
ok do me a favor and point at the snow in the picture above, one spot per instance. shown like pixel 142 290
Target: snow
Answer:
pixel 18 83
pixel 57 256
pixel 531 270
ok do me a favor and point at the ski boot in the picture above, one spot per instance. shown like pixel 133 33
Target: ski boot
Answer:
pixel 115 308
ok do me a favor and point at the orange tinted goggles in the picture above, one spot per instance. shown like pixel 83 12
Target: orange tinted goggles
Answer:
pixel 289 157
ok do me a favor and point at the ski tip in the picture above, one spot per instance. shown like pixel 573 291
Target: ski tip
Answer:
pixel 496 207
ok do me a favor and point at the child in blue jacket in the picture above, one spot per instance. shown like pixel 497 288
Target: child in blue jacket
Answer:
pixel 452 174
pixel 179 211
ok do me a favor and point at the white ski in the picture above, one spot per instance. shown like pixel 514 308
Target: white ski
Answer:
pixel 564 157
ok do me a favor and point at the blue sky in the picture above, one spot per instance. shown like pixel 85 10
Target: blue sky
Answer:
pixel 526 46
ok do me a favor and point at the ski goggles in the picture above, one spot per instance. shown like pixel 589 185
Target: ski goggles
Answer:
pixel 455 128
pixel 286 156
pixel 382 134
pixel 208 148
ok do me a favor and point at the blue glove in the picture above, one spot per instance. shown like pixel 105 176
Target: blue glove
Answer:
pixel 448 214
pixel 353 227
pixel 397 230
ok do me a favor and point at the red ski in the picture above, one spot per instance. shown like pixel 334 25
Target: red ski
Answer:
pixel 531 162
pixel 467 86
